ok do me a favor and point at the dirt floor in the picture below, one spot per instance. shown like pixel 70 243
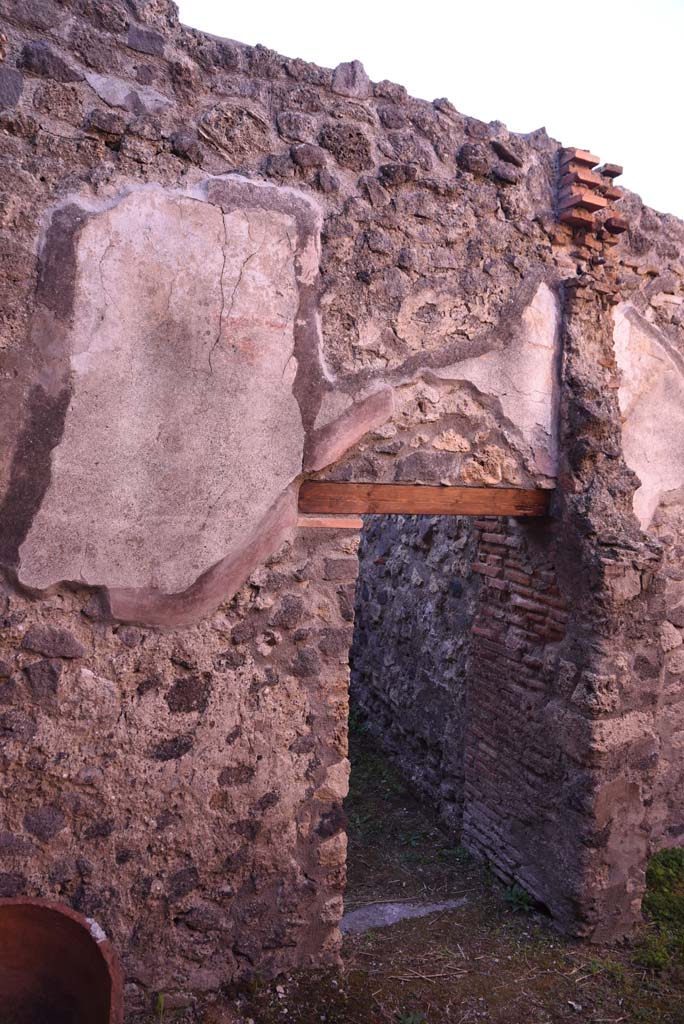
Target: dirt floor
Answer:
pixel 495 959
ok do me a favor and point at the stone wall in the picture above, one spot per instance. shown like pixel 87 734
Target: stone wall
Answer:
pixel 648 337
pixel 409 658
pixel 572 719
pixel 225 271
pixel 593 719
pixel 184 788
pixel 663 666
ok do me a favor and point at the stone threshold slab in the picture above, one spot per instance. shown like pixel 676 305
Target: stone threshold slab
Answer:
pixel 381 915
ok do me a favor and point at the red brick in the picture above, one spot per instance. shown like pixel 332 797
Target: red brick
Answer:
pixel 497 584
pixel 515 577
pixel 582 175
pixel 526 604
pixel 611 170
pixel 487 570
pixel 551 600
pixel 492 613
pixel 584 197
pixel 549 632
pixel 490 634
pixel 577 218
pixel 616 224
pixel 515 563
pixel 580 156
pixel 587 240
pixel 494 549
pixel 508 541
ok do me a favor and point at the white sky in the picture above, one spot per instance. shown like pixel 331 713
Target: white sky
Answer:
pixel 606 75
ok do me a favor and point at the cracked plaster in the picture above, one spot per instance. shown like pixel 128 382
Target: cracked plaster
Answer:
pixel 182 430
pixel 196 379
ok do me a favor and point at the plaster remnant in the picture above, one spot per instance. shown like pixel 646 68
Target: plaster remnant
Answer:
pixel 96 931
pixel 330 442
pixel 524 378
pixel 182 430
pixel 651 399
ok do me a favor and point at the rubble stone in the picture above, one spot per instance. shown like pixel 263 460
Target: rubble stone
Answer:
pixel 225 271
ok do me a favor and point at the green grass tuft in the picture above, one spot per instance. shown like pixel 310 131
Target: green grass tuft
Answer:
pixel 663 945
pixel 518 899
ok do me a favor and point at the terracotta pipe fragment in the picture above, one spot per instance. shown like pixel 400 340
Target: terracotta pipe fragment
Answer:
pixel 56 966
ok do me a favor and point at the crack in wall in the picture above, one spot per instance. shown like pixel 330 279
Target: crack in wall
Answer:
pixel 223 295
pixel 233 293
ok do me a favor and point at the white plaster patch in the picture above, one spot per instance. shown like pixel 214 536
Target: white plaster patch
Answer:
pixel 95 930
pixel 182 429
pixel 651 398
pixel 524 377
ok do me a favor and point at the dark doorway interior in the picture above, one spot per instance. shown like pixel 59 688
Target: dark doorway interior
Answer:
pixel 414 605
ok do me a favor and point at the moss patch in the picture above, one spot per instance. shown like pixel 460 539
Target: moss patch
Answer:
pixel 662 945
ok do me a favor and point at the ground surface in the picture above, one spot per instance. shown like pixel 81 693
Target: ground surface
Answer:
pixel 493 960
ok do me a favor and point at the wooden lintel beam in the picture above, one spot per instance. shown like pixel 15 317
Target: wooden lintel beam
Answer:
pixel 326 522
pixel 321 497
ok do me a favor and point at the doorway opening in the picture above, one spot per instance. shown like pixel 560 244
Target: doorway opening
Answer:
pixel 458 621
pixel 414 606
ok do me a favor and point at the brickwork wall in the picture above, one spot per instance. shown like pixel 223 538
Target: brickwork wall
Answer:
pixel 511 774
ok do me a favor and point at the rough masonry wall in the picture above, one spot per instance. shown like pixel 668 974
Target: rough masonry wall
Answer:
pixel 369 277
pixel 666 664
pixel 600 716
pixel 578 627
pixel 184 788
pixel 426 345
pixel 649 350
pixel 591 722
pixel 409 659
pixel 136 369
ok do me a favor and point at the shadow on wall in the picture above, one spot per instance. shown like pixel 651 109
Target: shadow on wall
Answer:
pixel 414 600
